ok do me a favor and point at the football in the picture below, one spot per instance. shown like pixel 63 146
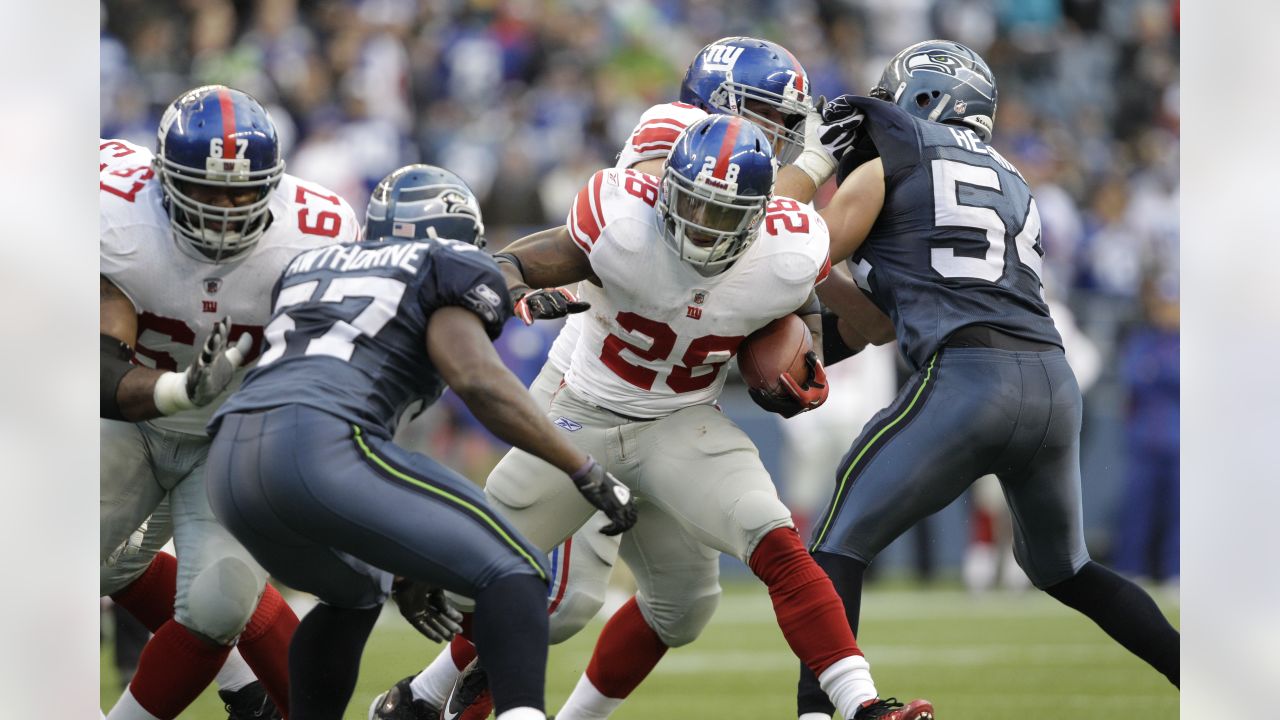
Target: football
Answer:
pixel 772 350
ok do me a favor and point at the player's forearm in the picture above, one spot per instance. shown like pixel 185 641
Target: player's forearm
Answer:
pixel 794 183
pixel 843 297
pixel 811 314
pixel 136 394
pixel 504 406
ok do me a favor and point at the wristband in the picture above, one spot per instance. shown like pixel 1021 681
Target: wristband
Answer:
pixel 585 470
pixel 510 259
pixel 170 394
pixel 816 164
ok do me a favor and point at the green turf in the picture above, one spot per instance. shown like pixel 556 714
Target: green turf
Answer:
pixel 977 658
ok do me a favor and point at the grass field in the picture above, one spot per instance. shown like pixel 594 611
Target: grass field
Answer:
pixel 977 658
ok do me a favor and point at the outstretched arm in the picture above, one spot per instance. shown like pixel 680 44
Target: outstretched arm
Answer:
pixel 461 351
pixel 134 393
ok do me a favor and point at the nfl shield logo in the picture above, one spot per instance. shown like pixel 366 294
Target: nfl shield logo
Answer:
pixel 212 285
pixel 700 296
pixel 961 105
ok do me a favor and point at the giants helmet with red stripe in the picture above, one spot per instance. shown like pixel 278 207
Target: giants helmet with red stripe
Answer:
pixel 218 159
pixel 717 180
pixel 757 79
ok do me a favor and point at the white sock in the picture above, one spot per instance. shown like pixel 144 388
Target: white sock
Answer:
pixel 523 713
pixel 587 703
pixel 435 681
pixel 815 716
pixel 235 673
pixel 848 683
pixel 127 708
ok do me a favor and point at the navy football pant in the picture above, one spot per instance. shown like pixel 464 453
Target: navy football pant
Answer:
pixel 332 511
pixel 969 412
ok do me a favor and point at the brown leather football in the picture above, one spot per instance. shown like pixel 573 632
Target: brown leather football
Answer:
pixel 772 350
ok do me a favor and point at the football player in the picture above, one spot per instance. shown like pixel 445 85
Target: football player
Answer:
pixel 303 471
pixel 944 233
pixel 192 239
pixel 749 77
pixel 722 258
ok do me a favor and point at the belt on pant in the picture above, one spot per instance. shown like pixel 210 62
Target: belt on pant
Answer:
pixel 981 336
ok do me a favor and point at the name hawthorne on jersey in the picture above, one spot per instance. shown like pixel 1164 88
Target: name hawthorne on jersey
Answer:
pixel 179 294
pixel 348 334
pixel 406 256
pixel 958 240
pixel 657 341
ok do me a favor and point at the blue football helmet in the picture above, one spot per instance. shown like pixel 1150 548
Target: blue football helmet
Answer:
pixel 715 185
pixel 420 201
pixel 757 79
pixel 942 81
pixel 217 141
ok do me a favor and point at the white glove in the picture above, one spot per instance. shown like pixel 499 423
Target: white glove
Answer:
pixel 207 377
pixel 815 160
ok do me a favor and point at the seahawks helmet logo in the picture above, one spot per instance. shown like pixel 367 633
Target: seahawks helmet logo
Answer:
pixel 932 61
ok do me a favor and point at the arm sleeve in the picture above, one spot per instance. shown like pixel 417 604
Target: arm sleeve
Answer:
pixel 586 217
pixel 468 279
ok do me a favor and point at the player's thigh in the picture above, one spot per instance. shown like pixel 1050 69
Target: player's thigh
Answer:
pixel 1044 492
pixel 128 491
pixel 944 430
pixel 703 470
pixel 131 558
pixel 219 581
pixel 677 575
pixel 537 497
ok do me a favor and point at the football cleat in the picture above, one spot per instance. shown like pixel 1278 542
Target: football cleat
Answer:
pixel 469 699
pixel 250 702
pixel 891 709
pixel 398 703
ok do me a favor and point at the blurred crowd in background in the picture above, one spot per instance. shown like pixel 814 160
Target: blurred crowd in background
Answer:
pixel 526 98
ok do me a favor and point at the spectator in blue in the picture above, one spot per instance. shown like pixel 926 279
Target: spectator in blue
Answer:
pixel 1147 542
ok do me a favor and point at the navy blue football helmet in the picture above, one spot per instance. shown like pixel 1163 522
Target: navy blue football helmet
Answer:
pixel 942 81
pixel 757 79
pixel 217 141
pixel 716 182
pixel 420 201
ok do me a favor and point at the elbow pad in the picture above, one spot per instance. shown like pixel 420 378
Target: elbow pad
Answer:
pixel 834 348
pixel 114 365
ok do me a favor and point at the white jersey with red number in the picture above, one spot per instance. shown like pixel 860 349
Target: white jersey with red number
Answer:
pixel 658 333
pixel 652 138
pixel 114 154
pixel 178 294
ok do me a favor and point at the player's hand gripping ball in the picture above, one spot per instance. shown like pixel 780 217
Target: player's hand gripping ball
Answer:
pixel 782 372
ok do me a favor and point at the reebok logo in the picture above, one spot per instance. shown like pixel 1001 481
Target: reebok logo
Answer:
pixel 567 424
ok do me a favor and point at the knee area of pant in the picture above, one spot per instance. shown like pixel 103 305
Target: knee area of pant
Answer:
pixel 758 511
pixel 220 600
pixel 574 611
pixel 682 623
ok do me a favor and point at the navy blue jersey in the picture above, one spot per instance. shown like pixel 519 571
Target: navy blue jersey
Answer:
pixel 348 330
pixel 957 242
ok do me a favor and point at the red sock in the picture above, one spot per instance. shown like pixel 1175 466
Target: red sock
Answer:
pixel 626 652
pixel 462 651
pixel 264 645
pixel 809 611
pixel 150 597
pixel 175 667
pixel 982 528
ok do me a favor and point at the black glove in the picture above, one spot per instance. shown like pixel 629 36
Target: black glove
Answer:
pixel 840 126
pixel 607 495
pixel 548 304
pixel 426 609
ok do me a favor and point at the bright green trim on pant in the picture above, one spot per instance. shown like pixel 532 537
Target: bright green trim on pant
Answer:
pixel 478 512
